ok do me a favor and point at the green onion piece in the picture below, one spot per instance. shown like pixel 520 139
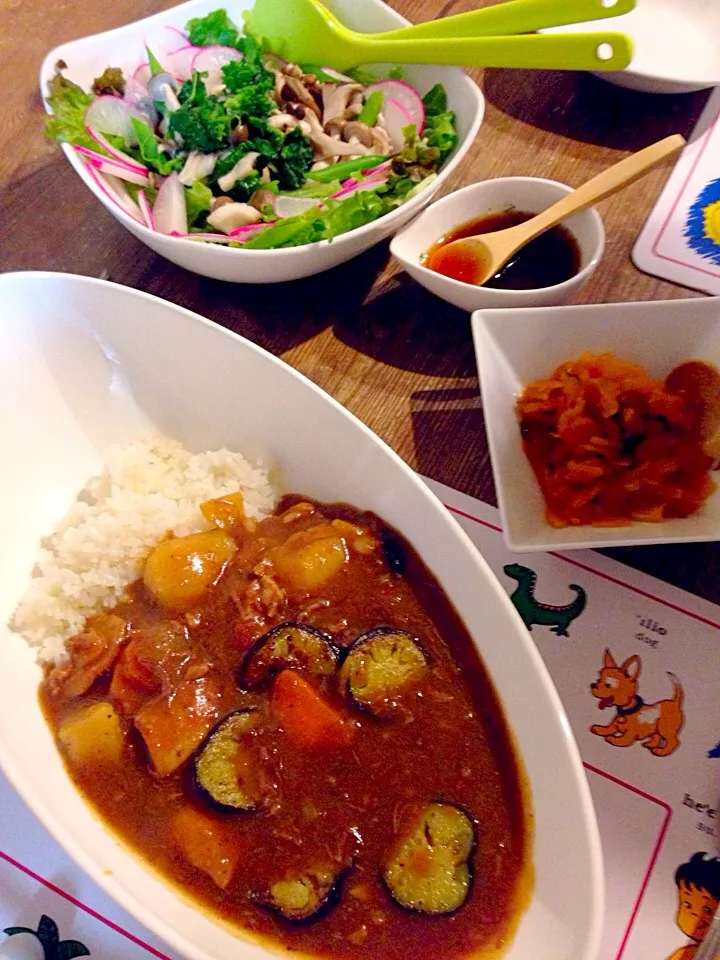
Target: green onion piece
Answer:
pixel 155 66
pixel 371 110
pixel 340 171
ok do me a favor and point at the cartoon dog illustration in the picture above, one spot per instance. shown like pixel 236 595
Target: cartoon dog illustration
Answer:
pixel 657 724
pixel 698 883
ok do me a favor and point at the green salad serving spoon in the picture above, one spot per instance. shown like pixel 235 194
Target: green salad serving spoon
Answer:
pixel 305 31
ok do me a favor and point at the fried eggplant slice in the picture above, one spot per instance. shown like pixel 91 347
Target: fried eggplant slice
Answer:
pixel 294 646
pixel 305 897
pixel 230 771
pixel 382 665
pixel 429 868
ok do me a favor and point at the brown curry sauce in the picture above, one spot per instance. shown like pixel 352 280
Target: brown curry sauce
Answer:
pixel 446 741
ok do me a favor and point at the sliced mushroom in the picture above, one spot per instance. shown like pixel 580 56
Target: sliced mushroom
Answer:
pixel 263 198
pixel 242 168
pixel 282 122
pixel 233 215
pixel 336 97
pixel 220 202
pixel 356 130
pixel 335 127
pixel 295 91
pixel 197 166
pixel 240 134
pixel 326 146
pixel 380 141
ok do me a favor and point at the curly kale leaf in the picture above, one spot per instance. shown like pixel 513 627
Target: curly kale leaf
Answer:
pixel 214 29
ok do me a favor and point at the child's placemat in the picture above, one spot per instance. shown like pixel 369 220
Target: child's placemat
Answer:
pixel 609 635
pixel 681 238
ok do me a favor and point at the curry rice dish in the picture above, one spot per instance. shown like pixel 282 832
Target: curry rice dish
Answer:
pixel 286 717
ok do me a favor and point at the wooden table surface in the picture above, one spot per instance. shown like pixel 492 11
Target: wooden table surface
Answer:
pixel 390 352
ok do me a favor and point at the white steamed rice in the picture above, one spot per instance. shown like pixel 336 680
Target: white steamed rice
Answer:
pixel 148 487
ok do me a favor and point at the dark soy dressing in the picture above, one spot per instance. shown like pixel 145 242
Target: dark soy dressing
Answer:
pixel 551 258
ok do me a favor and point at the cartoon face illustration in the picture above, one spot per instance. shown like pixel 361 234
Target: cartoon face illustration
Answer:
pixel 696 908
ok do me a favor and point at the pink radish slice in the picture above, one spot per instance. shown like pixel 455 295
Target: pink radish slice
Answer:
pixel 339 77
pixel 112 115
pixel 143 74
pixel 146 210
pixel 176 37
pixel 244 233
pixel 380 168
pixel 396 117
pixel 114 190
pixel 180 61
pixel 407 96
pixel 213 59
pixel 119 170
pixel 359 186
pixel 115 153
pixel 207 237
pixel 170 210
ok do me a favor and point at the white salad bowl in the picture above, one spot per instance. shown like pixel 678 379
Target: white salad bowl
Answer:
pixel 124 47
pixel 101 363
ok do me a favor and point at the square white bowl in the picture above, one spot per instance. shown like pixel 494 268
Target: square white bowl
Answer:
pixel 125 47
pixel 515 347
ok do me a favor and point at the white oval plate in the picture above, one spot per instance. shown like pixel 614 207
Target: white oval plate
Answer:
pixel 85 363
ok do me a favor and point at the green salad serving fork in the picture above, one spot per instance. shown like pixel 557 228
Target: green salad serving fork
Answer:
pixel 305 31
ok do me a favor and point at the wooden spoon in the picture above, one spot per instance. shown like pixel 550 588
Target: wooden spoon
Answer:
pixel 482 256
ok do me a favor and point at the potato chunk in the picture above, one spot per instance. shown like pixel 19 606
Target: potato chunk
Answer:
pixel 93 735
pixel 180 570
pixel 310 558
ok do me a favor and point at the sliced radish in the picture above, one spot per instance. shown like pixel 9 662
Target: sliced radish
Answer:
pixel 396 117
pixel 292 206
pixel 146 210
pixel 357 186
pixel 112 115
pixel 207 237
pixel 380 168
pixel 114 190
pixel 143 74
pixel 180 61
pixel 249 230
pixel 176 37
pixel 169 210
pixel 407 96
pixel 211 60
pixel 339 77
pixel 119 170
pixel 115 153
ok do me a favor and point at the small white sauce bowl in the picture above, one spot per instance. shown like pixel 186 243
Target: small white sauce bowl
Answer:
pixel 527 194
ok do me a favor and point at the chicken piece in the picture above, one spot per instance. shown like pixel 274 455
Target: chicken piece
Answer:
pixel 154 657
pixel 174 724
pixel 90 654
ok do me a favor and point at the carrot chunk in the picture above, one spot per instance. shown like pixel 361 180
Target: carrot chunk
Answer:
pixel 305 716
pixel 206 844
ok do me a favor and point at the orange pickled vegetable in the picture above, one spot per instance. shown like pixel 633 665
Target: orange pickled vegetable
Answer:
pixel 609 444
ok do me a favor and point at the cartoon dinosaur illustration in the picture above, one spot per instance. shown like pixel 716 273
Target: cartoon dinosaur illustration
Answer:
pixel 49 936
pixel 714 754
pixel 532 611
